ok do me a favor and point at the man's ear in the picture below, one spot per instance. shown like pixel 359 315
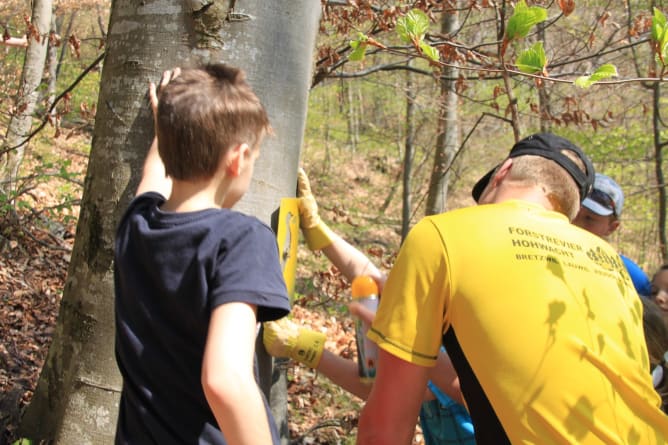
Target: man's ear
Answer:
pixel 613 225
pixel 502 172
pixel 236 159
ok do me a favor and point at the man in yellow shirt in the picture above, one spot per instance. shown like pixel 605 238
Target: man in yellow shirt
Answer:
pixel 539 317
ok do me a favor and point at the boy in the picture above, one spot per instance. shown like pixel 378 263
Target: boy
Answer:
pixel 192 277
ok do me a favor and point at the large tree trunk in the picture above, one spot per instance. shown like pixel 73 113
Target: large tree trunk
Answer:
pixel 33 68
pixel 447 141
pixel 76 400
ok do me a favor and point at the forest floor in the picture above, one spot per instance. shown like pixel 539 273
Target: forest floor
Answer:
pixel 34 257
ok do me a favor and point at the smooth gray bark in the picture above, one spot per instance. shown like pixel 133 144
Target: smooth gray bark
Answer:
pixel 77 397
pixel 20 123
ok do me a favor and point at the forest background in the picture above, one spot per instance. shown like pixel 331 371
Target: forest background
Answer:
pixel 389 138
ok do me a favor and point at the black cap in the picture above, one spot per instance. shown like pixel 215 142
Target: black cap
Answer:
pixel 548 145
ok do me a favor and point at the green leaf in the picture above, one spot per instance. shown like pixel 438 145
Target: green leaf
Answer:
pixel 413 26
pixel 659 33
pixel 603 72
pixel 358 53
pixel 359 48
pixel 658 25
pixel 532 60
pixel 523 19
pixel 429 51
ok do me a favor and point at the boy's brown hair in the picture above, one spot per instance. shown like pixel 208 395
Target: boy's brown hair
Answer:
pixel 201 114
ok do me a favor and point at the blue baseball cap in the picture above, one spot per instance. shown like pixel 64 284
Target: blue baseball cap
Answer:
pixel 606 198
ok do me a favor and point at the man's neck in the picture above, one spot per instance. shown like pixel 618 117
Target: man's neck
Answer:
pixel 533 194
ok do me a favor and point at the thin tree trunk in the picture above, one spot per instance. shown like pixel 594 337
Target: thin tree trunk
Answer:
pixel 52 64
pixel 352 118
pixel 658 171
pixel 447 141
pixel 408 156
pixel 63 46
pixel 391 192
pixel 326 135
pixel 507 84
pixel 52 67
pixel 33 70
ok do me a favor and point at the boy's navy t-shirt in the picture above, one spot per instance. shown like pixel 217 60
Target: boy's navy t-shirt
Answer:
pixel 171 271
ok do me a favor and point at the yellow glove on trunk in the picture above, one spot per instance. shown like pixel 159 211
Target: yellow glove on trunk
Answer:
pixel 315 231
pixel 285 338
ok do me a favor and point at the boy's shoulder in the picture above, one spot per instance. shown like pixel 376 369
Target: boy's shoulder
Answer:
pixel 218 220
pixel 244 222
pixel 145 200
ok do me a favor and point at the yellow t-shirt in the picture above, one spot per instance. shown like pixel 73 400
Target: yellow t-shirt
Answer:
pixel 540 319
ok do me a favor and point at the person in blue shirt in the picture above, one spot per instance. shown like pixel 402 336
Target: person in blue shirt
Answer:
pixel 600 214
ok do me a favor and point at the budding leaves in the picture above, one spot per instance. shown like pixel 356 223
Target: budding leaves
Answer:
pixel 660 36
pixel 429 51
pixel 359 48
pixel 523 19
pixel 412 28
pixel 603 72
pixel 532 60
pixel 520 23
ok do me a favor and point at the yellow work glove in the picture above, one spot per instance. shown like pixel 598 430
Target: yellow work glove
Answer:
pixel 315 231
pixel 285 338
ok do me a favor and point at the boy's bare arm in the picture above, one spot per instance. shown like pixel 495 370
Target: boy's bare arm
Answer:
pixel 153 178
pixel 227 375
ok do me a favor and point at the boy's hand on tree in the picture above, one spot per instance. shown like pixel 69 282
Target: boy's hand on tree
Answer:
pixel 153 91
pixel 285 338
pixel 316 232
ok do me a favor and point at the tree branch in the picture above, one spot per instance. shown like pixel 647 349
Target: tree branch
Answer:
pixel 45 119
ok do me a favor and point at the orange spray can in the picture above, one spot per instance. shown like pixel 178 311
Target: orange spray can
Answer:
pixel 365 291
